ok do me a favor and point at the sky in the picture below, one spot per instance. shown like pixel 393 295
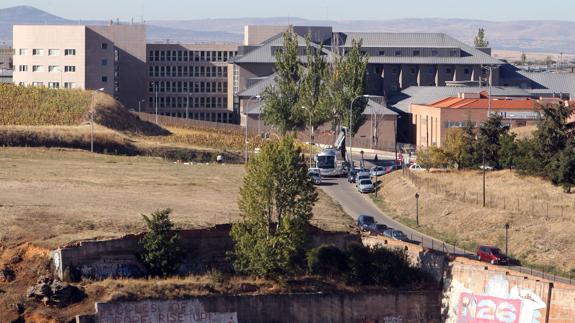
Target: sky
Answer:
pixel 496 10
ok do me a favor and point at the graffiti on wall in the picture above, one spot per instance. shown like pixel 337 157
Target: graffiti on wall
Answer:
pixel 190 311
pixel 499 304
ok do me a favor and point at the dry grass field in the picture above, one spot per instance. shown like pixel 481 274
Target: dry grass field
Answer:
pixel 51 197
pixel 541 216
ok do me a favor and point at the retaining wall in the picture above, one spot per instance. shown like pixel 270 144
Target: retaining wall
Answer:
pixel 385 306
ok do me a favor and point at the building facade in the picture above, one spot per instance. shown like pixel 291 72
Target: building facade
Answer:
pixel 188 80
pixel 86 57
pixel 432 122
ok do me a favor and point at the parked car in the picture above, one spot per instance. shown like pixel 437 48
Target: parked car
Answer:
pixel 360 177
pixel 315 178
pixel 390 169
pixel 364 171
pixel 492 255
pixel 378 171
pixel 416 167
pixel 351 176
pixel 365 186
pixel 395 235
pixel 377 229
pixel 364 221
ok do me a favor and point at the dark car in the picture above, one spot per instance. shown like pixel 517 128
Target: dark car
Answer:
pixel 377 229
pixel 491 255
pixel 395 235
pixel 351 176
pixel 364 221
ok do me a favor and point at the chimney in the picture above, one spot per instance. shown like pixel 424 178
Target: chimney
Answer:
pixel 467 95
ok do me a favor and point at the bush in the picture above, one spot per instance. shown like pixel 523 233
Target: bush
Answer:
pixel 359 263
pixel 326 260
pixel 161 252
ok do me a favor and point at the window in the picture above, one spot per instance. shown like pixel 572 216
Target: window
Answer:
pixel 37 68
pixel 69 69
pixel 23 51
pixel 53 52
pixel 104 45
pixel 448 70
pixel 416 53
pixel 23 68
pixel 104 79
pixel 466 71
pixel 381 53
pixel 53 85
pixel 54 69
pixel 69 85
pixel 434 53
pixel 413 70
pixel 397 53
pixel 37 84
pixel 37 52
pixel 453 53
pixel 69 52
pixel 104 62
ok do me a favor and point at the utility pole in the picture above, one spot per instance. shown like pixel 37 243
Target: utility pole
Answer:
pixel 417 208
pixel 506 241
pixel 483 154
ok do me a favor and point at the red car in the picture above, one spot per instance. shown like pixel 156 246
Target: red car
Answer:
pixel 491 255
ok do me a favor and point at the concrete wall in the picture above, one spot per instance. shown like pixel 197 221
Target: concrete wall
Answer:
pixel 204 249
pixel 475 293
pixel 383 306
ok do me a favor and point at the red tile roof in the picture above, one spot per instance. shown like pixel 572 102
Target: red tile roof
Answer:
pixel 483 103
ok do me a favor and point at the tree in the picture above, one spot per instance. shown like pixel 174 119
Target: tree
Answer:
pixel 563 168
pixel 276 202
pixel 347 82
pixel 553 131
pixel 313 93
pixel 480 40
pixel 488 141
pixel 280 105
pixel 161 252
pixel 548 61
pixel 458 148
pixel 507 150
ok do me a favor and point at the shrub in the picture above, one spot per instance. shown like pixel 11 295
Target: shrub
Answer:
pixel 326 260
pixel 161 252
pixel 359 264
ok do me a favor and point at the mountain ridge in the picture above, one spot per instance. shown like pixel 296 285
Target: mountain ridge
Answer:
pixel 528 35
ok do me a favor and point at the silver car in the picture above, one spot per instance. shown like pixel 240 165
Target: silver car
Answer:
pixel 378 171
pixel 365 186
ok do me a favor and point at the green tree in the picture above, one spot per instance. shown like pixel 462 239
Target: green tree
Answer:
pixel 347 82
pixel 276 202
pixel 480 40
pixel 281 108
pixel 313 93
pixel 488 142
pixel 562 168
pixel 527 158
pixel 553 131
pixel 161 252
pixel 458 148
pixel 507 150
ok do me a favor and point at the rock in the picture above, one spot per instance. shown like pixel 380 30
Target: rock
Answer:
pixel 7 275
pixel 54 292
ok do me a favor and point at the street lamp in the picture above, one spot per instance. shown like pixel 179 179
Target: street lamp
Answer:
pixel 92 119
pixel 417 208
pixel 365 96
pixel 247 123
pixel 490 69
pixel 506 241
pixel 139 105
pixel 362 162
pixel 310 136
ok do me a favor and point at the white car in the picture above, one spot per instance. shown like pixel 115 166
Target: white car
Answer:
pixel 378 171
pixel 365 186
pixel 416 167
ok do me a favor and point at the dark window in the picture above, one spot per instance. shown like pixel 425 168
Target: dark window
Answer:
pixel 434 53
pixel 381 53
pixel 104 45
pixel 104 62
pixel 416 53
pixel 453 53
pixel 397 53
pixel 104 79
pixel 466 71
pixel 448 70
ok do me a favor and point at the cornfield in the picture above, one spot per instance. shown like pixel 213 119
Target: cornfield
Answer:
pixel 38 106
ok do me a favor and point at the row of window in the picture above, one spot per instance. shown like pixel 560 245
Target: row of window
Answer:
pixel 188 71
pixel 51 85
pixel 415 52
pixel 429 70
pixel 189 56
pixel 51 52
pixel 191 102
pixel 187 87
pixel 51 68
pixel 204 116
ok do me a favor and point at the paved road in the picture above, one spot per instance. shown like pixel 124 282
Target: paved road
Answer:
pixel 355 204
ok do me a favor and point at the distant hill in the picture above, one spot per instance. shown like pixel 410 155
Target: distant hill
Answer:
pixel 530 36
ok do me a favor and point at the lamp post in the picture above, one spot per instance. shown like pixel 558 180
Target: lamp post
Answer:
pixel 362 162
pixel 92 120
pixel 247 123
pixel 417 208
pixel 139 105
pixel 310 136
pixel 366 96
pixel 490 80
pixel 506 241
pixel 483 154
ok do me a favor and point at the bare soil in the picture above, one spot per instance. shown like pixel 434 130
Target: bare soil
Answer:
pixel 541 216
